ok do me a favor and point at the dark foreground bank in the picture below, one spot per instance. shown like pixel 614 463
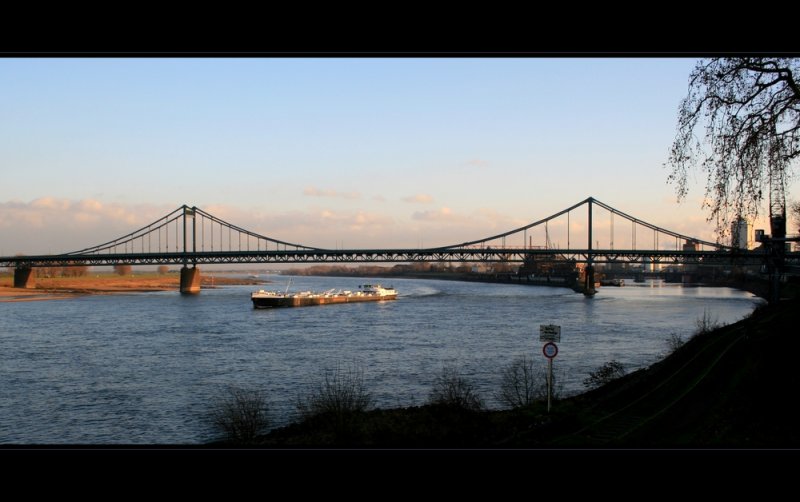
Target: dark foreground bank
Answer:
pixel 732 387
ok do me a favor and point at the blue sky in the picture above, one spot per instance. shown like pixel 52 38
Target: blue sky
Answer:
pixel 346 152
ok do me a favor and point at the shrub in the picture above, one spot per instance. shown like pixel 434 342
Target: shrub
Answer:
pixel 340 391
pixel 674 342
pixel 240 414
pixel 451 389
pixel 707 323
pixel 604 374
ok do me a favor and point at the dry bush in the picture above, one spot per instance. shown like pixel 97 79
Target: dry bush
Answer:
pixel 339 391
pixel 604 374
pixel 240 414
pixel 451 389
pixel 674 342
pixel 707 323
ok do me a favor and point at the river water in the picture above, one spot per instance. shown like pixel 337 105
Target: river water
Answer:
pixel 145 367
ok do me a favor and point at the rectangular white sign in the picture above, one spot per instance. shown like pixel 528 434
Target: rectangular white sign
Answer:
pixel 549 333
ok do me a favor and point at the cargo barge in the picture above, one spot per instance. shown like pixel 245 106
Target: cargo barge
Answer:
pixel 367 293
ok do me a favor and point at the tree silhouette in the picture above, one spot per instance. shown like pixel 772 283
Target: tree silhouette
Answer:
pixel 750 110
pixel 451 389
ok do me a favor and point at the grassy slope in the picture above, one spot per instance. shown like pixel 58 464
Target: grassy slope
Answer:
pixel 728 388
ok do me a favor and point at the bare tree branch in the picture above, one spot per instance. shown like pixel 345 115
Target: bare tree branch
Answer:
pixel 749 109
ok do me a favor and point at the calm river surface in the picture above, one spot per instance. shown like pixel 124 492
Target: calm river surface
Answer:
pixel 143 368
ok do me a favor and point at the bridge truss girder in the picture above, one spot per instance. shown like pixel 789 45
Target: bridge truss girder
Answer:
pixel 493 255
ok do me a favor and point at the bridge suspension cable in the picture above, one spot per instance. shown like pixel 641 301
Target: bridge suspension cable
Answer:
pixel 635 222
pixel 162 227
pixel 218 241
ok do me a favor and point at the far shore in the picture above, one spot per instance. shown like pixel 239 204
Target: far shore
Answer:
pixel 58 288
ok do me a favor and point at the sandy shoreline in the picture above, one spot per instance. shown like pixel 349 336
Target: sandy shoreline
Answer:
pixel 60 288
pixel 32 295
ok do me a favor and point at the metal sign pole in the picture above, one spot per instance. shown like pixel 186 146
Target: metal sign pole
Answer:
pixel 549 381
pixel 550 334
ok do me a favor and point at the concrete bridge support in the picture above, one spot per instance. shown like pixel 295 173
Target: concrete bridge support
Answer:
pixel 588 285
pixel 24 278
pixel 190 280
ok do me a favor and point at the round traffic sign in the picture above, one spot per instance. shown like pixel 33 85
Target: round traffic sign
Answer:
pixel 550 350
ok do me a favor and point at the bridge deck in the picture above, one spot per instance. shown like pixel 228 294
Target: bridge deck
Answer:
pixel 734 257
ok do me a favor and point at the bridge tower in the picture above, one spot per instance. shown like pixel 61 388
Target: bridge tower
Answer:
pixel 588 285
pixel 190 277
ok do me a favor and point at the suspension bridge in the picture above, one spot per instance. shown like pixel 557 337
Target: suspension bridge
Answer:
pixel 588 232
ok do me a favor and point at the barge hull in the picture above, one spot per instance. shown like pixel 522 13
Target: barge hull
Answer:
pixel 266 303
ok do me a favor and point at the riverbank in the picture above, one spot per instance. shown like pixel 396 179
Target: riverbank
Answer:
pixel 56 288
pixel 727 388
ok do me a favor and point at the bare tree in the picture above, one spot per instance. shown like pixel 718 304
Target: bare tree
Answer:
pixel 519 385
pixel 522 383
pixel 123 269
pixel 240 414
pixel 750 110
pixel 73 270
pixel 47 272
pixel 450 388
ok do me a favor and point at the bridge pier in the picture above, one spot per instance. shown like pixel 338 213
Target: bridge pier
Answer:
pixel 190 280
pixel 588 286
pixel 24 278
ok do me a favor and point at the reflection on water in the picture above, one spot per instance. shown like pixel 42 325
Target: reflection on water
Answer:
pixel 142 368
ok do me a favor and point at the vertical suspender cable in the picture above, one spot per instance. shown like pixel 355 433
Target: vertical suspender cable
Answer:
pixel 612 230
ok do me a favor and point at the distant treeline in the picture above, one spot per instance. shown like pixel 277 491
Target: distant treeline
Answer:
pixel 82 270
pixel 399 270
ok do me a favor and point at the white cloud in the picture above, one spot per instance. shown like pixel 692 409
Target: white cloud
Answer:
pixel 316 226
pixel 318 192
pixel 53 225
pixel 441 214
pixel 420 198
pixel 50 203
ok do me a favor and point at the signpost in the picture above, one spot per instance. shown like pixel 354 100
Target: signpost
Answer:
pixel 550 334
